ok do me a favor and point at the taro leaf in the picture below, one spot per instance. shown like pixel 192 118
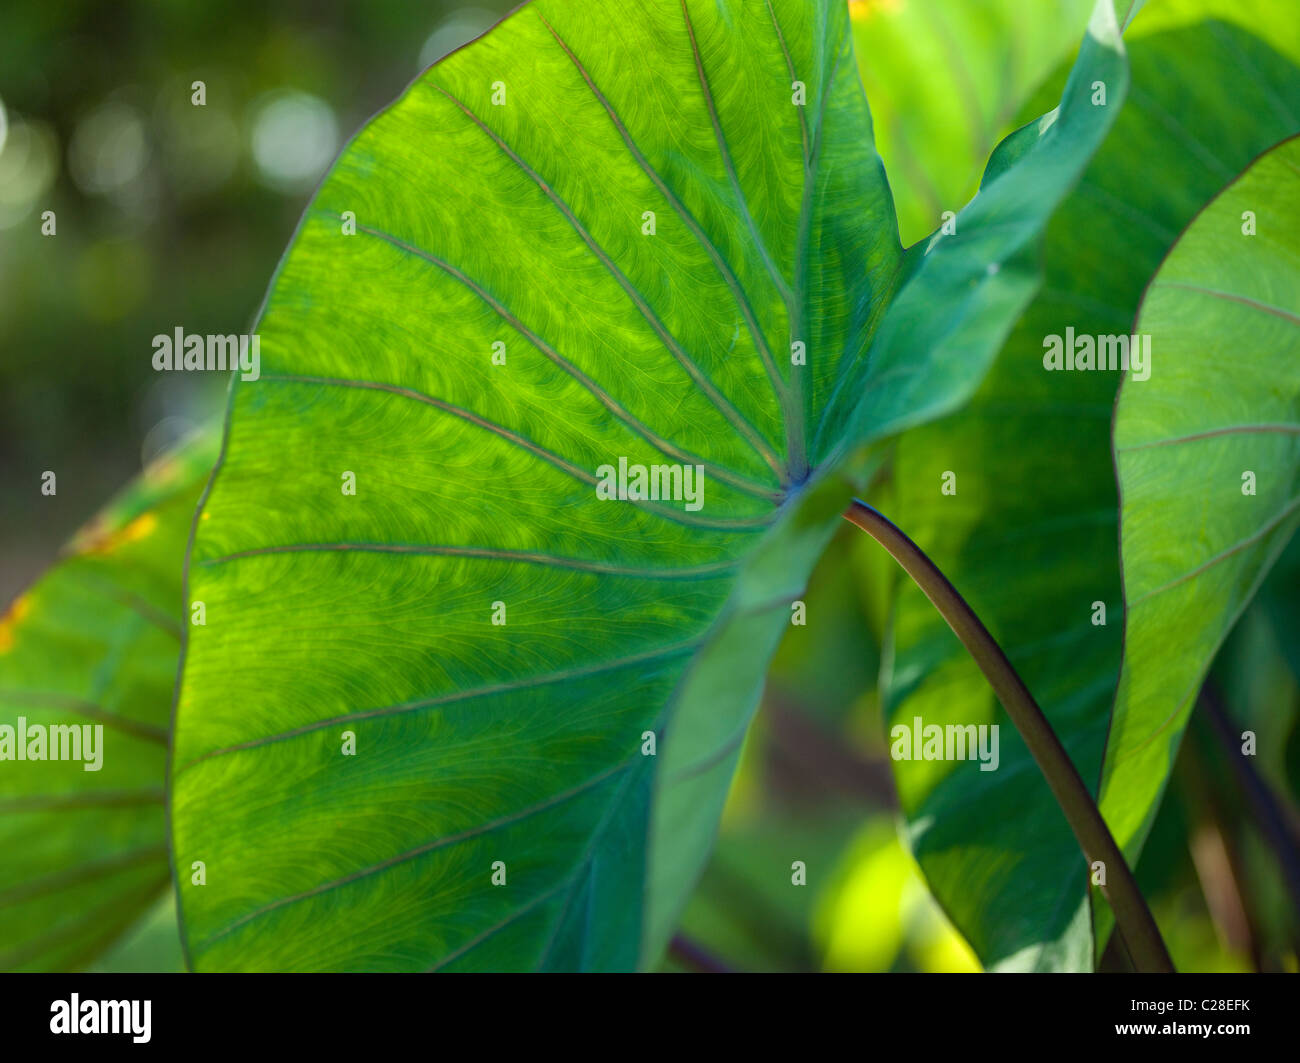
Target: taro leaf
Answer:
pixel 1036 495
pixel 94 644
pixel 1208 460
pixel 945 79
pixel 632 211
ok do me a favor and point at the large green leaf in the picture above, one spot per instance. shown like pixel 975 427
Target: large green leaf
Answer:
pixel 94 644
pixel 1030 537
pixel 523 223
pixel 945 80
pixel 1208 458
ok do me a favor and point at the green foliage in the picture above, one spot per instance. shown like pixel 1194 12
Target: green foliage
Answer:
pixel 94 644
pixel 451 708
pixel 1208 458
pixel 1036 494
pixel 479 741
pixel 945 82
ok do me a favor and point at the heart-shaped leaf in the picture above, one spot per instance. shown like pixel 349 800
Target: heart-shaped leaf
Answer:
pixel 455 704
pixel 1208 457
pixel 88 660
pixel 1035 494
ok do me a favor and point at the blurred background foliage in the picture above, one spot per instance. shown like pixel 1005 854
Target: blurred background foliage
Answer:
pixel 174 215
pixel 167 214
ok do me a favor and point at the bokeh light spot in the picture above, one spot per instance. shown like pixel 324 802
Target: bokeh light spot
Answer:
pixel 295 135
